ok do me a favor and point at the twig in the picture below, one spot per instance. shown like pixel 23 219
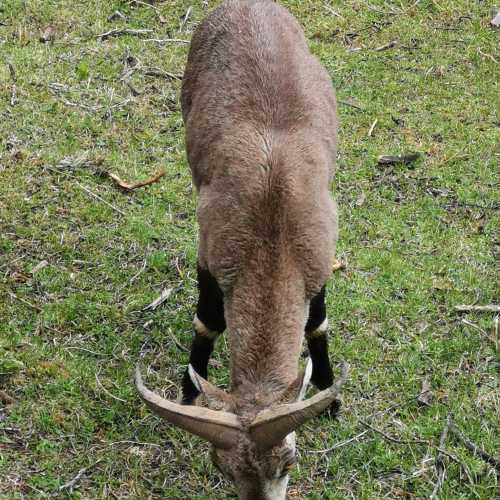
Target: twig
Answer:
pixel 130 187
pixel 165 294
pixel 489 56
pixel 473 447
pixel 440 469
pixel 335 13
pixel 392 439
pixel 167 40
pixel 33 306
pixel 494 308
pixel 372 128
pixel 393 160
pixel 485 333
pixel 13 92
pixel 185 18
pixel 106 391
pixel 341 444
pixel 350 103
pixel 97 197
pixel 138 2
pixel 71 484
pixel 386 46
pixel 123 31
pixel 161 74
pixel 176 341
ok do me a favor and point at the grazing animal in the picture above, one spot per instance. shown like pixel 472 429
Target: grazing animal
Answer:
pixel 260 119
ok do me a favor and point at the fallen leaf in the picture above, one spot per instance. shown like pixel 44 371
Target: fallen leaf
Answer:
pixel 361 199
pixel 425 396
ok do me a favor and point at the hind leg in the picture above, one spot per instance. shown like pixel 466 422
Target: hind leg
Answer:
pixel 317 343
pixel 208 324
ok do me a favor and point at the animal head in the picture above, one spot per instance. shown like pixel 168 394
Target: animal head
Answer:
pixel 253 448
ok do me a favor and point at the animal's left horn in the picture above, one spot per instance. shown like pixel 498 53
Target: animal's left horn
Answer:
pixel 220 428
pixel 271 426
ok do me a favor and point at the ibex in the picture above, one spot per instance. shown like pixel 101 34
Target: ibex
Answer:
pixel 260 118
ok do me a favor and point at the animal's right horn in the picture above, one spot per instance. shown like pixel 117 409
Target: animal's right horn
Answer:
pixel 220 428
pixel 271 426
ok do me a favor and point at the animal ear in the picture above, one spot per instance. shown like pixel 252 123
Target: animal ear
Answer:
pixel 297 389
pixel 217 399
pixel 271 426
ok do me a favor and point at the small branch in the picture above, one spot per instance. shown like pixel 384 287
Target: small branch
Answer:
pixel 165 294
pixel 440 469
pixel 473 447
pixel 13 92
pixel 494 308
pixel 394 160
pixel 341 444
pixel 71 484
pixel 123 31
pixel 106 391
pixel 485 333
pixel 372 128
pixel 33 306
pixel 161 74
pixel 130 187
pixel 350 103
pixel 392 439
pixel 97 197
pixel 333 12
pixel 167 40
pixel 386 46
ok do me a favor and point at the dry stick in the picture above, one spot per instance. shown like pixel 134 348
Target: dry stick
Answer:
pixel 97 197
pixel 392 439
pixel 106 391
pixel 138 2
pixel 485 333
pixel 124 31
pixel 33 306
pixel 130 187
pixel 13 94
pixel 372 128
pixel 471 446
pixel 351 104
pixel 487 308
pixel 71 484
pixel 167 40
pixel 440 469
pixel 161 74
pixel 386 46
pixel 341 444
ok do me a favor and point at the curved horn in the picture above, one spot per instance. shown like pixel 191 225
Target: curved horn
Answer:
pixel 220 428
pixel 271 426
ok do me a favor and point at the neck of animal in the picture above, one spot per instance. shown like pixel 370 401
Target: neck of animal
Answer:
pixel 265 317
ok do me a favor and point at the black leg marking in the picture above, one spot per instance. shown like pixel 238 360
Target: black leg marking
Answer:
pixel 210 312
pixel 317 311
pixel 210 309
pixel 201 350
pixel 322 375
pixel 317 342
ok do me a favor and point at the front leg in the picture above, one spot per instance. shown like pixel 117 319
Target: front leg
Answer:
pixel 208 324
pixel 317 343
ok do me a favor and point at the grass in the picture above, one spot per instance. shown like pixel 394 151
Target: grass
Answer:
pixel 417 240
